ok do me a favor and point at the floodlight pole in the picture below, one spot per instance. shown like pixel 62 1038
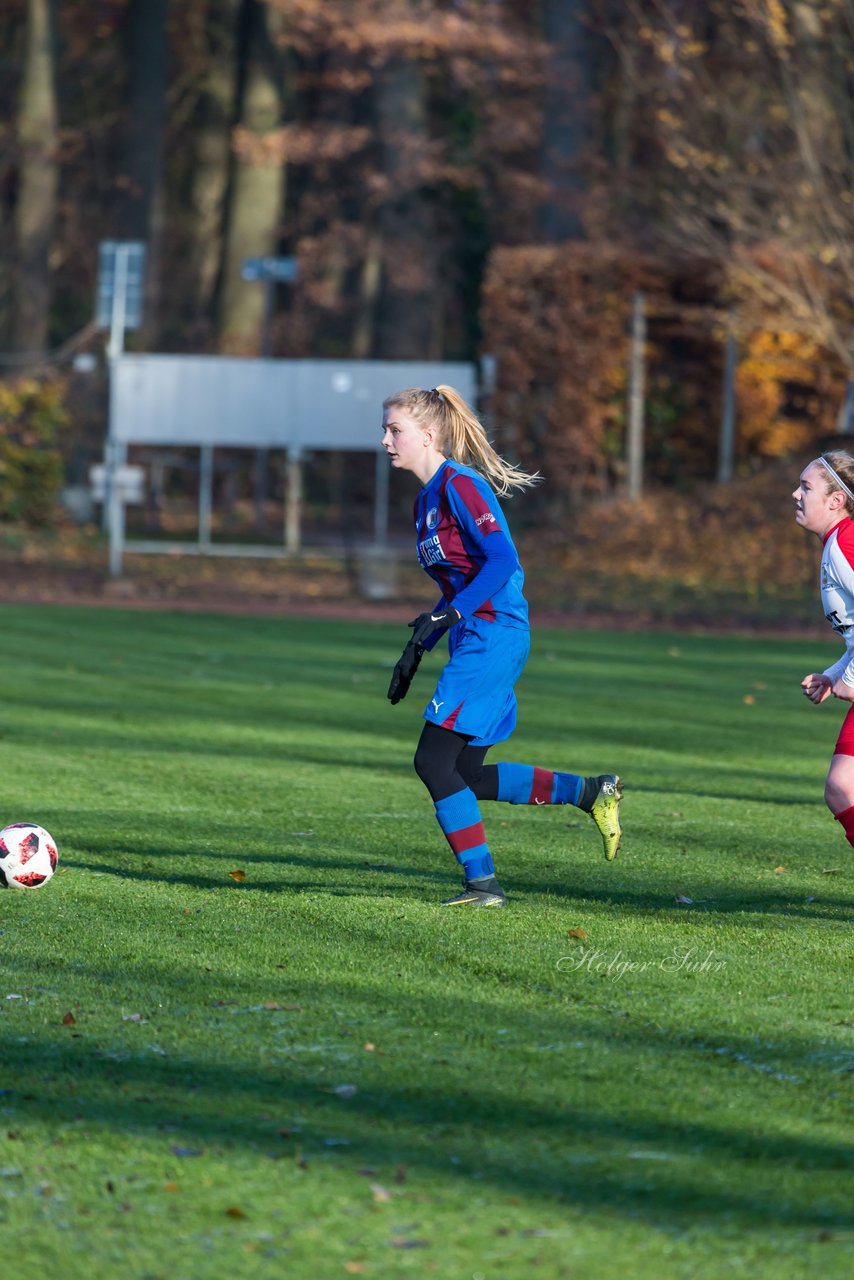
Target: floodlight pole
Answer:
pixel 116 452
pixel 726 452
pixel 383 470
pixel 636 398
pixel 206 471
pixel 293 500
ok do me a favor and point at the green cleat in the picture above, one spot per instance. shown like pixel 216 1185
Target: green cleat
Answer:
pixel 472 896
pixel 605 812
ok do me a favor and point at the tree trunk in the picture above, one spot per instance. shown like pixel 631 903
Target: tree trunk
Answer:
pixel 38 175
pixel 566 133
pixel 407 327
pixel 370 280
pixel 143 213
pixel 257 182
pixel 213 151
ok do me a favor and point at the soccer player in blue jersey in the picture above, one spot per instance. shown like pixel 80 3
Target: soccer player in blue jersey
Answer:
pixel 464 544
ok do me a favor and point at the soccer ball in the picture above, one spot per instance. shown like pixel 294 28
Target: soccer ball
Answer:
pixel 27 856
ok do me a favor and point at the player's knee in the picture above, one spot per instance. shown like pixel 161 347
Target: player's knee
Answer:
pixel 434 770
pixel 834 795
pixel 471 774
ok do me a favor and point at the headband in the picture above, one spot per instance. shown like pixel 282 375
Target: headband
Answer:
pixel 835 476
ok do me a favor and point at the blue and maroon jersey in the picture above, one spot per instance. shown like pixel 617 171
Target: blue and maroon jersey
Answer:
pixel 464 544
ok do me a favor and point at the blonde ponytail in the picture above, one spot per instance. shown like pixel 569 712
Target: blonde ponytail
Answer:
pixel 460 435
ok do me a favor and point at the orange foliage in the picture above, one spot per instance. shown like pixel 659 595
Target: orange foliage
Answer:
pixel 787 393
pixel 555 318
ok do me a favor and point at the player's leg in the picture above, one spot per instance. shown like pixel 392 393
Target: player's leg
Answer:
pixel 529 784
pixel 458 815
pixel 839 785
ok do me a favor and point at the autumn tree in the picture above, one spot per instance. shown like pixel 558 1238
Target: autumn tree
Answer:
pixel 37 179
pixel 743 138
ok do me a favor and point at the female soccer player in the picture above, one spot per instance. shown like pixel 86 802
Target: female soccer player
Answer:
pixel 824 504
pixel 464 544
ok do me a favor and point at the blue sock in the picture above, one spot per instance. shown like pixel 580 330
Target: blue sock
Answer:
pixel 459 817
pixel 528 784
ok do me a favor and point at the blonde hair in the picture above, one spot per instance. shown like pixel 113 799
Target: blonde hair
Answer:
pixel 460 435
pixel 842 464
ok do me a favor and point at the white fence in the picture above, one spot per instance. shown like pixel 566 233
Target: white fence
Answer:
pixel 210 402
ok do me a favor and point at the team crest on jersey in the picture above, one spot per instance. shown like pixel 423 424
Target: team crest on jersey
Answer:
pixel 432 517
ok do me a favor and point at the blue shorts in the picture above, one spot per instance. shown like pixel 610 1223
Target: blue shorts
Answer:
pixel 475 695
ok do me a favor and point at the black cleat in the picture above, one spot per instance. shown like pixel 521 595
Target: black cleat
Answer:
pixel 478 893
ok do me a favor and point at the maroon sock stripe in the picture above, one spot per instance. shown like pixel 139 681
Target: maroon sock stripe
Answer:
pixel 466 838
pixel 541 787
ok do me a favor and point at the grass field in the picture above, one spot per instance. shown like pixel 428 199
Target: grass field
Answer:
pixel 637 1070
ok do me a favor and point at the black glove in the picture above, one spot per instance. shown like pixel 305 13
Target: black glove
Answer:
pixel 402 675
pixel 426 624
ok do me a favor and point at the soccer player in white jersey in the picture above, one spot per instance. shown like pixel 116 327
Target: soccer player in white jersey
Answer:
pixel 464 544
pixel 824 505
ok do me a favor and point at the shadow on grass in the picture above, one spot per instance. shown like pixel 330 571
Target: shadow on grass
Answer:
pixel 345 873
pixel 518 1144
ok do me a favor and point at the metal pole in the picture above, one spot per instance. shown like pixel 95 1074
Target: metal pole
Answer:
pixel 114 505
pixel 115 346
pixel 637 372
pixel 726 453
pixel 381 500
pixel 205 495
pixel 293 501
pixel 267 325
pixel 117 316
pixel 261 482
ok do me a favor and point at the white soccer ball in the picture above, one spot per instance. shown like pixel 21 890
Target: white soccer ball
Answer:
pixel 27 856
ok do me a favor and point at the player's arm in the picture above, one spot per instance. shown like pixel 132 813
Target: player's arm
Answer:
pixel 842 684
pixel 817 686
pixel 472 509
pixel 839 679
pixel 428 636
pixel 841 674
pixel 426 630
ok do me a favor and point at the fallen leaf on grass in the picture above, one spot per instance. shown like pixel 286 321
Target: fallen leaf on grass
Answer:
pixel 68 1019
pixel 380 1194
pixel 403 1242
pixel 238 875
pixel 748 700
pixel 355 1268
pixel 581 934
pixel 779 871
pixel 234 1211
pixel 344 1090
pixel 170 1186
pixel 683 901
pixel 829 871
pixel 133 1017
pixel 368 1047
